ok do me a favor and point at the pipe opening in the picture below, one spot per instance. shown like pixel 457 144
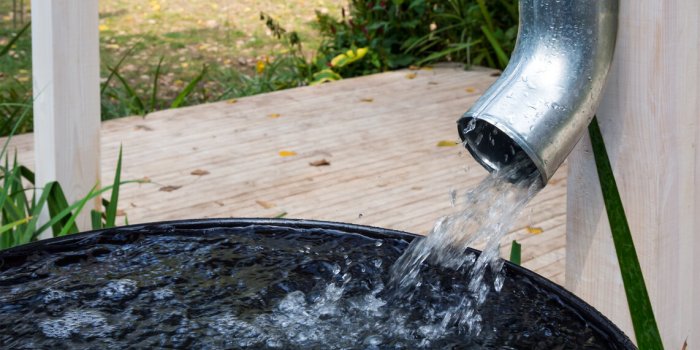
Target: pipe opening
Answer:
pixel 495 150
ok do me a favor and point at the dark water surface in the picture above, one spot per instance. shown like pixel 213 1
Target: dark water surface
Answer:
pixel 261 287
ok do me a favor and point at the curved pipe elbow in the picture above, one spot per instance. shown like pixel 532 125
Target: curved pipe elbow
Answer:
pixel 548 94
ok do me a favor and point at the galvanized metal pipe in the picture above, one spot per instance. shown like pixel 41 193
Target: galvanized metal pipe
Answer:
pixel 548 94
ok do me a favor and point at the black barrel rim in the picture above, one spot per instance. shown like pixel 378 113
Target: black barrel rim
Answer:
pixel 18 254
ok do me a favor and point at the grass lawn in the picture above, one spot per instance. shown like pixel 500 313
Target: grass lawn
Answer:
pixel 227 36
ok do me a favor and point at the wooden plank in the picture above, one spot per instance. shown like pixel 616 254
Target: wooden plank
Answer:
pixel 649 120
pixel 65 68
pixel 386 169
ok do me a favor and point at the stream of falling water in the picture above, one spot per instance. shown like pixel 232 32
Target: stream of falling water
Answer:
pixel 485 214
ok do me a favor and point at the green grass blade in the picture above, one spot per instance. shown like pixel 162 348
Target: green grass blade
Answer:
pixel 12 225
pixel 27 174
pixel 180 99
pixel 71 219
pixel 13 131
pixel 515 252
pixel 485 13
pixel 131 94
pixel 12 42
pixel 500 54
pixel 641 311
pixel 111 211
pixel 96 219
pixel 29 232
pixel 115 69
pixel 440 54
pixel 154 93
pixel 57 203
pixel 68 211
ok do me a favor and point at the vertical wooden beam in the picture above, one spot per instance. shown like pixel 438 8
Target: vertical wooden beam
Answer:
pixel 649 119
pixel 65 66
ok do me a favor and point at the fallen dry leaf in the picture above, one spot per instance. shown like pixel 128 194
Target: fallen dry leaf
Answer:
pixel 427 68
pixel 199 172
pixel 169 188
pixel 265 204
pixel 121 212
pixel 231 101
pixel 413 67
pixel 320 162
pixel 470 90
pixel 411 75
pixel 534 230
pixel 220 203
pixel 496 74
pixel 143 127
pixel 446 143
pixel 287 153
pixel 280 215
pixel 367 99
pixel 274 115
pixel 145 180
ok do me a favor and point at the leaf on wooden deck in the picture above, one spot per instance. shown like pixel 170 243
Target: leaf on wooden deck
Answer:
pixel 145 180
pixel 320 162
pixel 287 153
pixel 265 204
pixel 121 212
pixel 470 90
pixel 367 99
pixel 274 115
pixel 447 143
pixel 220 203
pixel 231 101
pixel 411 75
pixel 534 230
pixel 496 74
pixel 143 127
pixel 199 172
pixel 280 215
pixel 169 188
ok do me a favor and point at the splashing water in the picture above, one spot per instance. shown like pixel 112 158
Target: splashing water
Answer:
pixel 487 213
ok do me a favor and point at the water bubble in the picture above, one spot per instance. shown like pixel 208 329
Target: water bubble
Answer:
pixel 119 289
pixel 163 294
pixel 83 323
pixel 470 126
pixel 478 139
pixel 54 295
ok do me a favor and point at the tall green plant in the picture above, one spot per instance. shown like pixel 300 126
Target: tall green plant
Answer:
pixel 124 100
pixel 22 202
pixel 641 312
pixel 472 32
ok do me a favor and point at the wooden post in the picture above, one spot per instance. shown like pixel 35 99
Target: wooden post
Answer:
pixel 65 61
pixel 649 119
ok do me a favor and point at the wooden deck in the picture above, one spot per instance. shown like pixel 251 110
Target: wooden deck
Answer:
pixel 379 133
